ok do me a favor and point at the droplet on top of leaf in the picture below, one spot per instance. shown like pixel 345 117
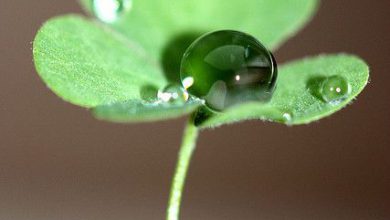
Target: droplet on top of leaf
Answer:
pixel 334 89
pixel 110 10
pixel 287 118
pixel 174 94
pixel 226 68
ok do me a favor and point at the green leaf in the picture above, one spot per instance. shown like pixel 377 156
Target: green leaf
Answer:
pixel 96 66
pixel 294 101
pixel 156 24
pixel 93 65
pixel 90 65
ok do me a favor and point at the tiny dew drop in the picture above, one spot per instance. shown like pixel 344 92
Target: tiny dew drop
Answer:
pixel 334 89
pixel 110 10
pixel 174 94
pixel 226 68
pixel 287 117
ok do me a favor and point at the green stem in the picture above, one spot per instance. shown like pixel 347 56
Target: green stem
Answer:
pixel 186 151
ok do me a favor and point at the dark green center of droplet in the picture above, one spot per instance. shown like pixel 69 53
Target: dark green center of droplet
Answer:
pixel 226 68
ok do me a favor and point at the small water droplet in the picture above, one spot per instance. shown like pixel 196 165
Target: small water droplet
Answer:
pixel 174 94
pixel 110 10
pixel 287 117
pixel 334 89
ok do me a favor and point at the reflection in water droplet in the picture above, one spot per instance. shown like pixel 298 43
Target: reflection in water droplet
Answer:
pixel 188 82
pixel 334 89
pixel 174 94
pixel 110 10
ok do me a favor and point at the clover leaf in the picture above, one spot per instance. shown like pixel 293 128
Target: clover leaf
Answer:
pixel 115 67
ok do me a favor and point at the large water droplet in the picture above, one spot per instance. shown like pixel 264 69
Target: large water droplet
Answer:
pixel 110 10
pixel 174 94
pixel 226 68
pixel 334 89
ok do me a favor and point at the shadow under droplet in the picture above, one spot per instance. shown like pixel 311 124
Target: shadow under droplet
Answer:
pixel 202 115
pixel 314 86
pixel 173 53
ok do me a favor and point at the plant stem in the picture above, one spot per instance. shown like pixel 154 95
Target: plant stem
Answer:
pixel 186 151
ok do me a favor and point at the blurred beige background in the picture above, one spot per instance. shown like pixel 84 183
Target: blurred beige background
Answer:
pixel 58 163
